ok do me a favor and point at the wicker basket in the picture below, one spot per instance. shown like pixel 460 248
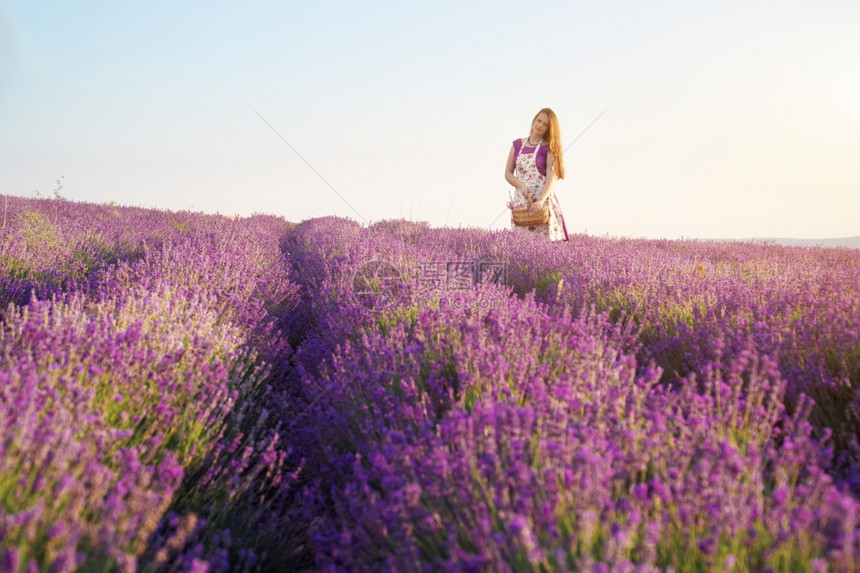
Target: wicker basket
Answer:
pixel 522 217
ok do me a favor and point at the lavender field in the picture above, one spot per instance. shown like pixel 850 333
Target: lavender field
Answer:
pixel 187 392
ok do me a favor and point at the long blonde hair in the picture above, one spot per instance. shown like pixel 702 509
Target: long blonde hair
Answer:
pixel 553 135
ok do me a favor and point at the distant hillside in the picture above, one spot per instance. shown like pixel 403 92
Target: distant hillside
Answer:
pixel 850 242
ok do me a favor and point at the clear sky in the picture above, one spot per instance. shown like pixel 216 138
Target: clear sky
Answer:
pixel 726 119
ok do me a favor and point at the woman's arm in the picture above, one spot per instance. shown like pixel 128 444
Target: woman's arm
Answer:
pixel 509 173
pixel 550 182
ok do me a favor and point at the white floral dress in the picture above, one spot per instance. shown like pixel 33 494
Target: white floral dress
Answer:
pixel 526 170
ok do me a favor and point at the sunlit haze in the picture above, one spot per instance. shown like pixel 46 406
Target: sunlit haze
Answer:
pixel 722 119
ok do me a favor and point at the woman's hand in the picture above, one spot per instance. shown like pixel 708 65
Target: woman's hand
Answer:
pixel 537 204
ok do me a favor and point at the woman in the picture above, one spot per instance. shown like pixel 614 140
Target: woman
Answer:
pixel 534 165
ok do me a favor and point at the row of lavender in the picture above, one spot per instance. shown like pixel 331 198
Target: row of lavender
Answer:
pixel 609 406
pixel 134 430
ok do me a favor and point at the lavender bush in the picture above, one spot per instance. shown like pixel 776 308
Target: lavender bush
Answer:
pixel 148 370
